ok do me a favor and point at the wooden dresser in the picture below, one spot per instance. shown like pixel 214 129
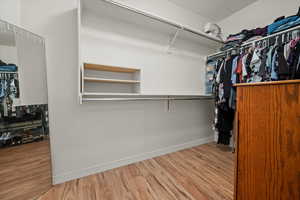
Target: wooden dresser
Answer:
pixel 268 141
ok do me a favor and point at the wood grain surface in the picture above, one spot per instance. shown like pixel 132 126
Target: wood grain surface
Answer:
pixel 25 171
pixel 267 83
pixel 200 173
pixel 268 153
pixel 89 66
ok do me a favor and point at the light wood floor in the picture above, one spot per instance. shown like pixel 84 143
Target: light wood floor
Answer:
pixel 25 171
pixel 200 173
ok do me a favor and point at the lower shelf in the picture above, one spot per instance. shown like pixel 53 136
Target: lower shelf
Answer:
pixel 110 94
pixel 86 97
pixel 101 80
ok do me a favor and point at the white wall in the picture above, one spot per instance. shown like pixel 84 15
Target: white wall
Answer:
pixel 8 54
pixel 258 14
pixel 113 42
pixel 10 11
pixel 89 138
pixel 161 73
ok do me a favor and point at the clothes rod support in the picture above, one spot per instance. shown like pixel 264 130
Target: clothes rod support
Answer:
pixel 172 41
pixel 202 34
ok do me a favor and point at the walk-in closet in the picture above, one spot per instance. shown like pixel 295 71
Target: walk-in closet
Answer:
pixel 149 100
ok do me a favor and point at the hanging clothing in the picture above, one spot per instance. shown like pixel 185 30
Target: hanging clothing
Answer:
pixel 223 96
pixel 9 88
pixel 274 75
pixel 233 70
pixel 283 69
pixel 294 60
pixel 239 70
pixel 274 59
pixel 225 77
pixel 225 123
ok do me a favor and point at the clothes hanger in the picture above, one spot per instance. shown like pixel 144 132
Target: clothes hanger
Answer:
pixel 265 44
pixel 276 42
pixel 283 38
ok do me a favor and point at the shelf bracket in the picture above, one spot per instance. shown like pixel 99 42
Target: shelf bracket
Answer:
pixel 168 104
pixel 173 39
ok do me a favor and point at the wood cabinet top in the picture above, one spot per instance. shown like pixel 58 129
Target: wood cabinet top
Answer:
pixel 267 83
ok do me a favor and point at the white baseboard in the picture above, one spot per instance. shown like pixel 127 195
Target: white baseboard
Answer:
pixel 60 178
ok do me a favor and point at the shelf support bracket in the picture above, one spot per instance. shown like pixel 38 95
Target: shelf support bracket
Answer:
pixel 172 41
pixel 168 104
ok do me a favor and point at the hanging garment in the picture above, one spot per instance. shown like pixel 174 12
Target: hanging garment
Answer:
pixel 274 65
pixel 247 65
pixel 255 67
pixel 225 123
pixel 218 77
pixel 239 70
pixel 225 112
pixel 244 70
pixel 2 88
pixel 293 62
pixel 283 69
pixel 297 71
pixel 263 69
pixel 233 70
pixel 225 77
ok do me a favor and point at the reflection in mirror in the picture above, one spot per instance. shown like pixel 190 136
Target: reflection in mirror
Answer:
pixel 25 165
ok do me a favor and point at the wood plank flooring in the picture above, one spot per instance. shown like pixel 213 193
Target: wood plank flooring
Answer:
pixel 201 173
pixel 25 171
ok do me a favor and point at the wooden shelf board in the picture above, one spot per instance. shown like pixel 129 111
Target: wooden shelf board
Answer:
pixel 88 66
pixel 101 80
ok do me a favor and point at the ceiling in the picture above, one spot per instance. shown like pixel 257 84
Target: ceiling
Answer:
pixel 215 10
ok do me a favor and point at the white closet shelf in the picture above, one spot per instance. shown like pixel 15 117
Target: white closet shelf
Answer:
pixel 147 20
pixel 103 80
pixel 110 94
pixel 98 67
pixel 143 95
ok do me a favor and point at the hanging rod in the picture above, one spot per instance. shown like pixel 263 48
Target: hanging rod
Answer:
pixel 157 18
pixel 145 99
pixel 221 53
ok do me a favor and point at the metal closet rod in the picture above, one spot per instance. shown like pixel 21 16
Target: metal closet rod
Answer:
pixel 145 99
pixel 163 20
pixel 253 42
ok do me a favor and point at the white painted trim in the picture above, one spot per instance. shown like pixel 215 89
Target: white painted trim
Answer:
pixel 60 178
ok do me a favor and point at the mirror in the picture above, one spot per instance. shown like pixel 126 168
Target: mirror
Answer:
pixel 25 164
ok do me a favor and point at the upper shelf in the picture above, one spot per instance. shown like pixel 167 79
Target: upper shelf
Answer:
pixel 88 66
pixel 142 20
